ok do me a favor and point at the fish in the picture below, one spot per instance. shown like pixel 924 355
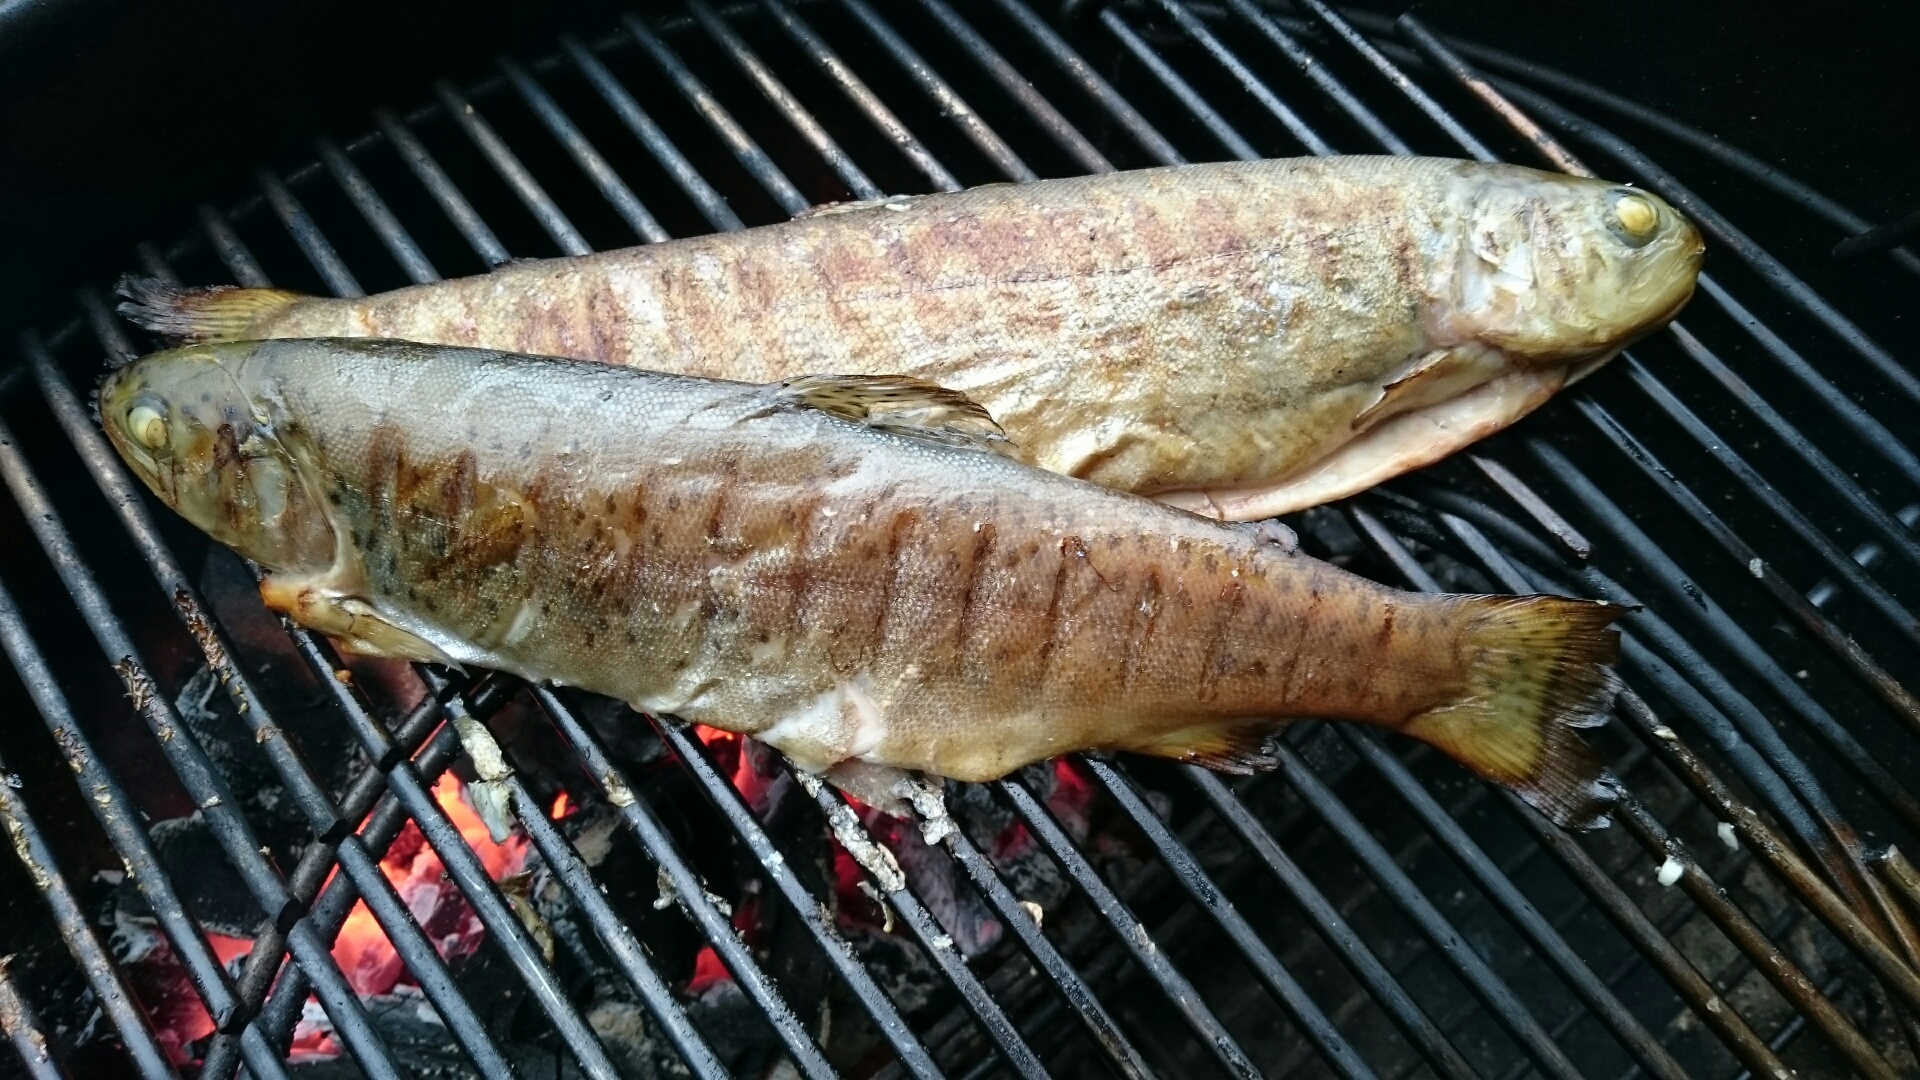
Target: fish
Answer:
pixel 1241 339
pixel 848 568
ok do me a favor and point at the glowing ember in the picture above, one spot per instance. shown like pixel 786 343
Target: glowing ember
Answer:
pixel 362 949
pixel 562 806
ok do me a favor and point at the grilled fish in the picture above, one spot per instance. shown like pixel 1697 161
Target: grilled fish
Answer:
pixel 843 567
pixel 1240 339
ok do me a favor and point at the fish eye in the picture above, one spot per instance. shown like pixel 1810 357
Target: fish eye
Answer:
pixel 148 425
pixel 1633 218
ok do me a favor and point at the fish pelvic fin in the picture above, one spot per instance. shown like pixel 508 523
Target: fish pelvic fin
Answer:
pixel 1539 669
pixel 900 404
pixel 187 315
pixel 1241 747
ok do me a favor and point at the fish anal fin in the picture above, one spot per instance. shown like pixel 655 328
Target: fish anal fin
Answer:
pixel 190 315
pixel 1435 377
pixel 350 622
pixel 1241 747
pixel 900 404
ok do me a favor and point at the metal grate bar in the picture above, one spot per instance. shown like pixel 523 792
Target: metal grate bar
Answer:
pixel 189 761
pixel 307 235
pixel 1016 87
pixel 1072 987
pixel 913 1055
pixel 511 170
pixel 1837 560
pixel 1773 964
pixel 504 929
pixel 863 98
pixel 281 1009
pixel 22 1026
pixel 612 188
pixel 744 149
pixel 951 104
pixel 688 890
pixel 1322 79
pixel 711 204
pixel 1517 908
pixel 413 262
pixel 1704 783
pixel 1380 866
pixel 1090 81
pixel 381 828
pixel 783 100
pixel 109 803
pixel 878 864
pixel 1687 981
pixel 329 825
pixel 1379 982
pixel 439 185
pixel 110 990
pixel 1252 84
pixel 1333 1046
pixel 1130 930
pixel 1863 664
pixel 1706 611
pixel 1182 92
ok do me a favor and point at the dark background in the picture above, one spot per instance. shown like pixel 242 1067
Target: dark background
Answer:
pixel 116 117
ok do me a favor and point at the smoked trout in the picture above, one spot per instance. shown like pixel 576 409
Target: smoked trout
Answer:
pixel 845 567
pixel 1240 339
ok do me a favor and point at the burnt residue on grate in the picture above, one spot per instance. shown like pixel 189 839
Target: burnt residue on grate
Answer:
pixel 672 905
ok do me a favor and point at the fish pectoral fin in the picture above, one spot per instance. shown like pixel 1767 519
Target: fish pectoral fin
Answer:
pixel 187 315
pixel 1436 377
pixel 1238 746
pixel 900 404
pixel 349 621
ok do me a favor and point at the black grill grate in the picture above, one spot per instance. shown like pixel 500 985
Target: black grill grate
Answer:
pixel 1451 933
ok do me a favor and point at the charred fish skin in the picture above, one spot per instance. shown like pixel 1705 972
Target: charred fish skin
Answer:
pixel 743 557
pixel 1241 338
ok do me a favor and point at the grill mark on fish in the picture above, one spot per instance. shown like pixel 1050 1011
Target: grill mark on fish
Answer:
pixel 1139 633
pixel 899 533
pixel 1052 620
pixel 964 632
pixel 1216 659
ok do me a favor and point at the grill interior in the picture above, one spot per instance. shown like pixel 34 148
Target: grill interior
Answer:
pixel 1368 910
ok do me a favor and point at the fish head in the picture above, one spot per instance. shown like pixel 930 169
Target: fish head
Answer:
pixel 1562 270
pixel 204 430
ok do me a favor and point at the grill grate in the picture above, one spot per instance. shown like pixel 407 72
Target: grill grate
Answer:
pixel 1421 887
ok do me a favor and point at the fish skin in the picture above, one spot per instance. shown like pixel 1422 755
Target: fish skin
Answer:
pixel 714 551
pixel 1187 331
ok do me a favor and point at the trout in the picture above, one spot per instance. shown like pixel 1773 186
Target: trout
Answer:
pixel 1240 339
pixel 846 567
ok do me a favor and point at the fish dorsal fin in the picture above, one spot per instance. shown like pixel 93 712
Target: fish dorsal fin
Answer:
pixel 900 404
pixel 891 202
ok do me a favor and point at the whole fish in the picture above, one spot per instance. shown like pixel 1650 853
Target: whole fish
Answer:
pixel 1241 339
pixel 843 567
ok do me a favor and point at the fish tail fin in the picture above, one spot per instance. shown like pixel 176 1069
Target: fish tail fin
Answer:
pixel 1540 668
pixel 188 315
